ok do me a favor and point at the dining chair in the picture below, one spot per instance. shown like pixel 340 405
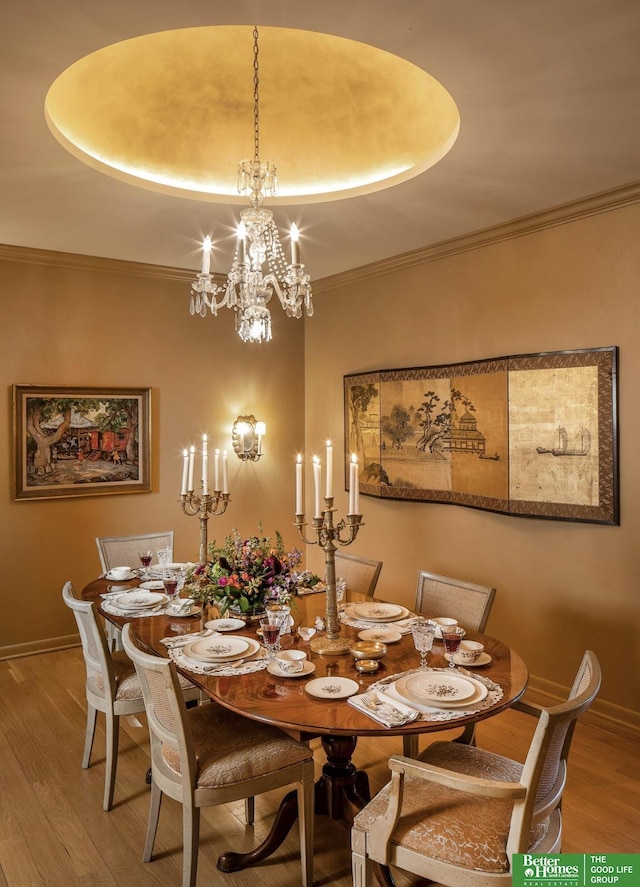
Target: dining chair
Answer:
pixel 209 755
pixel 467 602
pixel 360 573
pixel 112 686
pixel 458 814
pixel 124 551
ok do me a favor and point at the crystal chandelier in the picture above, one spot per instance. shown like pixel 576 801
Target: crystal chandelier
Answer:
pixel 259 266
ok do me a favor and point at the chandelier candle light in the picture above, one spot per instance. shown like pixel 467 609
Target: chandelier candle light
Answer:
pixel 249 289
pixel 204 503
pixel 327 535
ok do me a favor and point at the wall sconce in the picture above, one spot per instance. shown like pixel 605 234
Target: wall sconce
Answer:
pixel 246 437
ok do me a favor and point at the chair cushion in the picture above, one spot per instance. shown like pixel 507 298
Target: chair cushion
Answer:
pixel 230 748
pixel 454 827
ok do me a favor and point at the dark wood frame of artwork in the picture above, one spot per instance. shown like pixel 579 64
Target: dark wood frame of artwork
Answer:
pixel 104 446
pixel 533 435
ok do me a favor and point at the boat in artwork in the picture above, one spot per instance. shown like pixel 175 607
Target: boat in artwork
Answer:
pixel 563 449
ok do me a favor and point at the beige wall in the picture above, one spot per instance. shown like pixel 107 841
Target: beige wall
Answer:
pixel 69 326
pixel 561 587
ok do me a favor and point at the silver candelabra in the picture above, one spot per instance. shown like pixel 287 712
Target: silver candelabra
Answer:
pixel 327 535
pixel 204 505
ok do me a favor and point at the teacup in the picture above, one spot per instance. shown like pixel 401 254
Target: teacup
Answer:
pixel 120 572
pixel 290 661
pixel 469 651
pixel 444 623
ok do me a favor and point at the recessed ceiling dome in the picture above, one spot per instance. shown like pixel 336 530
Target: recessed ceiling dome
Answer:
pixel 173 112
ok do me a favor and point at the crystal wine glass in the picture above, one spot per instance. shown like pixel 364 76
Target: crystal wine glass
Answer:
pixel 423 632
pixel 341 587
pixel 451 640
pixel 270 636
pixel 145 559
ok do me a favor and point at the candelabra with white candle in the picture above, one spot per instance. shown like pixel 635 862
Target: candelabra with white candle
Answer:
pixel 328 536
pixel 204 504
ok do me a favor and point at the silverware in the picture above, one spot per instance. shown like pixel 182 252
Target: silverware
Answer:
pixel 385 708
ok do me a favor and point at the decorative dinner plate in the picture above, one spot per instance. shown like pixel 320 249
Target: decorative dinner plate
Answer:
pixel 224 624
pixel 113 578
pixel 384 635
pixel 331 688
pixel 307 668
pixel 153 585
pixel 139 600
pixel 354 612
pixel 483 659
pixel 377 612
pixel 417 692
pixel 223 649
pixel 440 687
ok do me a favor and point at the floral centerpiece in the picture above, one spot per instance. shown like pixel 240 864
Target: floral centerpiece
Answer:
pixel 246 575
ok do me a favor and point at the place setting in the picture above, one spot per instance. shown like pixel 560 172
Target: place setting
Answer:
pixel 376 615
pixel 217 653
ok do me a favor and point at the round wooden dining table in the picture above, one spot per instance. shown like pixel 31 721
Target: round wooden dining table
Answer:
pixel 342 789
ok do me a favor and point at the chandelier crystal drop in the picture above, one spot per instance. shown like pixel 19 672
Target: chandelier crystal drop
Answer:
pixel 260 267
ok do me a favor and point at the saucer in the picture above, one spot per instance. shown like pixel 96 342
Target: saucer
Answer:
pixel 331 688
pixel 225 624
pixel 307 668
pixel 112 578
pixel 483 659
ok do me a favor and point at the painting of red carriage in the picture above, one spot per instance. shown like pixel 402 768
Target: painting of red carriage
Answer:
pixel 80 441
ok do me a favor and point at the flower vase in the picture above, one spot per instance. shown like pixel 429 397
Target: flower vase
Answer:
pixel 249 616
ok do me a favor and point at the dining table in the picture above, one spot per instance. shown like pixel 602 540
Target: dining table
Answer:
pixel 286 702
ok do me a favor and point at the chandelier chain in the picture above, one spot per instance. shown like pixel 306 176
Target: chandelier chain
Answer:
pixel 256 96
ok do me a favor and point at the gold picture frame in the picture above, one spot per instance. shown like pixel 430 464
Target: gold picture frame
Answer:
pixel 80 441
pixel 532 435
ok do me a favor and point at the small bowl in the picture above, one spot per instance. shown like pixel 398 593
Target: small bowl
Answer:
pixel 366 666
pixel 368 649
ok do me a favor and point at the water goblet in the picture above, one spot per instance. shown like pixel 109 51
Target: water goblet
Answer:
pixel 270 636
pixel 451 640
pixel 423 632
pixel 341 587
pixel 164 559
pixel 145 559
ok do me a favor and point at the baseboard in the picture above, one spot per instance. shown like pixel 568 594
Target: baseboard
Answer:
pixel 46 645
pixel 551 693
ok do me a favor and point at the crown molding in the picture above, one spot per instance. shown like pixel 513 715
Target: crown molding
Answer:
pixel 606 201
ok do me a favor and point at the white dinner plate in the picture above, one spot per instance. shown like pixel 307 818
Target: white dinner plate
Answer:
pixel 410 694
pixel 331 688
pixel 221 649
pixel 439 687
pixel 152 585
pixel 483 659
pixel 139 600
pixel 377 612
pixel 307 668
pixel 113 578
pixel 384 635
pixel 350 610
pixel 224 624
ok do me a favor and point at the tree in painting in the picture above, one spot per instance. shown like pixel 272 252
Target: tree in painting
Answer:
pixel 119 413
pixel 436 422
pixel 398 426
pixel 360 397
pixel 39 413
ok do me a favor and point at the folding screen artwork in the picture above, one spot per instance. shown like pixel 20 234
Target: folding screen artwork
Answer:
pixel 530 435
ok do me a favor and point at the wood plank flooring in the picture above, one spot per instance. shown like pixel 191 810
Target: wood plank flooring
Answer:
pixel 53 832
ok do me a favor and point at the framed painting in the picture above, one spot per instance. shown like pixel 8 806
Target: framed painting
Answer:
pixel 81 441
pixel 532 435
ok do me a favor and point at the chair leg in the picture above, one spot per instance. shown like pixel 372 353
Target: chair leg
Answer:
pixel 306 824
pixel 90 732
pixel 410 746
pixel 111 762
pixel 190 842
pixel 154 815
pixel 361 870
pixel 250 810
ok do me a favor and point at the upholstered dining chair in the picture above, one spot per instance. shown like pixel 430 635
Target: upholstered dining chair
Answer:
pixel 209 755
pixel 124 551
pixel 456 815
pixel 467 602
pixel 360 573
pixel 112 686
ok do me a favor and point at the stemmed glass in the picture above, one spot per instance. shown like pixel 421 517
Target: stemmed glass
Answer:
pixel 423 632
pixel 451 640
pixel 270 636
pixel 164 558
pixel 341 587
pixel 145 559
pixel 170 582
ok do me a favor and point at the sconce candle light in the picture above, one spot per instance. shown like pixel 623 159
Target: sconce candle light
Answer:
pixel 246 436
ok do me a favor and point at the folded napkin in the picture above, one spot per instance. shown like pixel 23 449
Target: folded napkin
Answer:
pixel 386 712
pixel 313 590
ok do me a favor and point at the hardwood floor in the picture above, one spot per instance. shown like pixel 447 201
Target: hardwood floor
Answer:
pixel 53 831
